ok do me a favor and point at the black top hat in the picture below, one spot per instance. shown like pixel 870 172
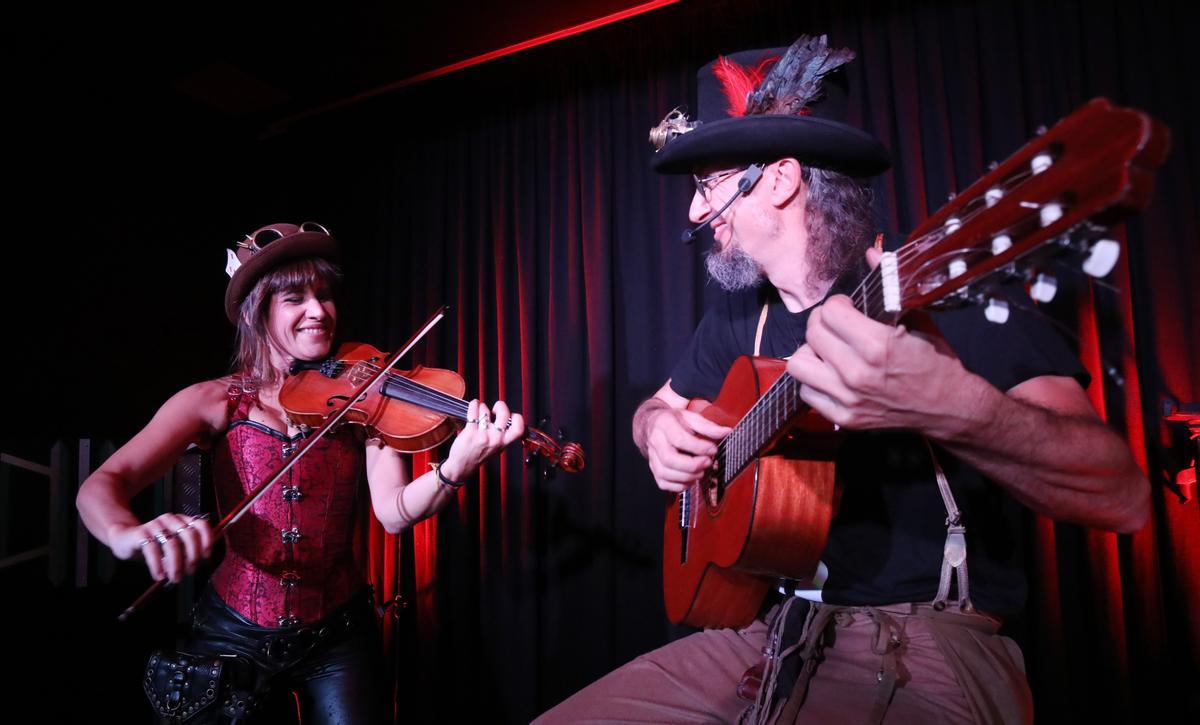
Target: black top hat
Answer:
pixel 269 247
pixel 761 105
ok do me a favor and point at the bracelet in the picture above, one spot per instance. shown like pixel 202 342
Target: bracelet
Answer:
pixel 444 482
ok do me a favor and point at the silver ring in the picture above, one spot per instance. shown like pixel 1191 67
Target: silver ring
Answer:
pixel 162 537
pixel 182 529
pixel 143 543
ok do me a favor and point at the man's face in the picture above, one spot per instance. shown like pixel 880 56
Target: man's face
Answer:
pixel 714 187
pixel 728 262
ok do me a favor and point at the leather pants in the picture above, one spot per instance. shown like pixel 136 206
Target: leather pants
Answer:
pixel 331 666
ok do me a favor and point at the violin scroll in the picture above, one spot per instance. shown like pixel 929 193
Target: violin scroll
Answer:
pixel 566 456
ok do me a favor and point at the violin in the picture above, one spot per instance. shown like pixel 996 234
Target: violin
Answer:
pixel 409 410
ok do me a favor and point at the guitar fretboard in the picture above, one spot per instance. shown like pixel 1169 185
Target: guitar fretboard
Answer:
pixel 780 404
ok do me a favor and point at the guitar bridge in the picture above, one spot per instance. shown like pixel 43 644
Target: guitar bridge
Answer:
pixel 687 520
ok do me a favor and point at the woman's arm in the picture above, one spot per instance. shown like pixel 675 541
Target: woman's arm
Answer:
pixel 190 416
pixel 398 504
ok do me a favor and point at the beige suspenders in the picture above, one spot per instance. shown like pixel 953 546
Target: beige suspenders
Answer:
pixel 954 555
pixel 762 322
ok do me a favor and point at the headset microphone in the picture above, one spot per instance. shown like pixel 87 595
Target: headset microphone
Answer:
pixel 744 185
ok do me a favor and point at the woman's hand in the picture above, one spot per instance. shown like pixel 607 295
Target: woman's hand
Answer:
pixel 171 544
pixel 484 434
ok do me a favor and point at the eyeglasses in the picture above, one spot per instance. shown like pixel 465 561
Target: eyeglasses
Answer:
pixel 263 237
pixel 706 184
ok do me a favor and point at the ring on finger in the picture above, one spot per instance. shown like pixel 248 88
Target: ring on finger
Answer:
pixel 162 537
pixel 182 529
pixel 143 542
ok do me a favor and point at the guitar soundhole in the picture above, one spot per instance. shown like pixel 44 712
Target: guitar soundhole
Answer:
pixel 714 490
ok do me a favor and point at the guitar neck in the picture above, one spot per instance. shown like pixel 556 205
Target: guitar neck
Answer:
pixel 763 423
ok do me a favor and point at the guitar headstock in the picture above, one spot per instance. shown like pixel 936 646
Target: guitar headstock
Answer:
pixel 1061 192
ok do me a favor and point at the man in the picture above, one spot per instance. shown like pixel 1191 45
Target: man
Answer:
pixel 995 412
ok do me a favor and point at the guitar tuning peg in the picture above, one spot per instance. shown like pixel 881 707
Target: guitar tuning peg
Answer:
pixel 951 196
pixel 996 311
pixel 1043 288
pixel 1041 130
pixel 993 195
pixel 1102 257
pixel 1041 162
pixel 993 165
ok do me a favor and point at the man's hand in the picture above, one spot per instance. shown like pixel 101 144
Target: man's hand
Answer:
pixel 863 374
pixel 679 444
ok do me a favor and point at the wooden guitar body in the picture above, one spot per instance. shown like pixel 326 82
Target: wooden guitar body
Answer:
pixel 743 534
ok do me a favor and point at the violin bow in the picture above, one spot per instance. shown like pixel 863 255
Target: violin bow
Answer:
pixel 308 442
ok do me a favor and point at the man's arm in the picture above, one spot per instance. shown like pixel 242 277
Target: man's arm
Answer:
pixel 1042 440
pixel 678 443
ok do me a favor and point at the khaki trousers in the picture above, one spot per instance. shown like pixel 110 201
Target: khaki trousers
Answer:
pixel 949 667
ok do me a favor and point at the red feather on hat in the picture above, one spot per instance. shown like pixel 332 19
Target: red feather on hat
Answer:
pixel 739 81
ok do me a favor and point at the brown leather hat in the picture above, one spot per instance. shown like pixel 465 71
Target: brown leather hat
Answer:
pixel 267 248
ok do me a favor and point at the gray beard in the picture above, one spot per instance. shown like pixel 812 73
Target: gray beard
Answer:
pixel 733 269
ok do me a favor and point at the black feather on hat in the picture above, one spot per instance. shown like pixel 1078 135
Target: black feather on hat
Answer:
pixel 761 105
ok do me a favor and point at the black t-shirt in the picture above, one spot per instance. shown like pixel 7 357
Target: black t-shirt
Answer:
pixel 885 542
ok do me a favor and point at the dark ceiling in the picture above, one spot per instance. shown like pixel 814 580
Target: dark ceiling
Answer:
pixel 256 64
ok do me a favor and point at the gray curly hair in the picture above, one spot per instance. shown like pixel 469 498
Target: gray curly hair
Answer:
pixel 840 223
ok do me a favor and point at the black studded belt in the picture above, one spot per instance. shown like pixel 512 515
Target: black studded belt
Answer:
pixel 226 630
pixel 296 643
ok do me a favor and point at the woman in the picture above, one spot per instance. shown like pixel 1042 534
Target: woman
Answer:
pixel 287 609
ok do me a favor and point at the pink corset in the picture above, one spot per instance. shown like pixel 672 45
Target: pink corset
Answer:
pixel 289 560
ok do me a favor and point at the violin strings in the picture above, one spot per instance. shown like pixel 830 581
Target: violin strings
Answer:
pixel 419 394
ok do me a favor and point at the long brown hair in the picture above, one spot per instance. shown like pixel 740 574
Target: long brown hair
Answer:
pixel 252 356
